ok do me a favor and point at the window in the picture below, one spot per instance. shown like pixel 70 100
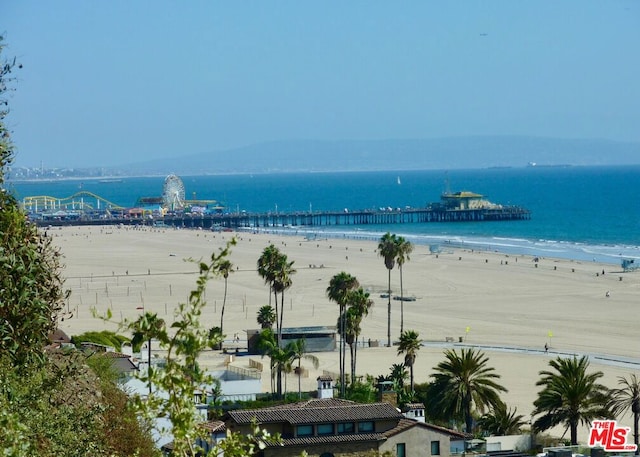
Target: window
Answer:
pixel 365 427
pixel 304 430
pixel 346 427
pixel 400 450
pixel 325 429
pixel 435 448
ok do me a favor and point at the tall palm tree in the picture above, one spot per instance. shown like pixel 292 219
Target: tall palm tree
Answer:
pixel 410 344
pixel 359 304
pixel 283 272
pixel 570 396
pixel 388 250
pixel 627 398
pixel 266 316
pixel 266 268
pixel 404 249
pixel 298 351
pixel 461 382
pixel 500 421
pixel 339 287
pixel 225 268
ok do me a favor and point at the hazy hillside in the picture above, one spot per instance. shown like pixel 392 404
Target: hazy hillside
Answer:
pixel 444 153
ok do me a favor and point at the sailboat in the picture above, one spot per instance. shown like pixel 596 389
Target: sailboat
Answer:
pixel 399 182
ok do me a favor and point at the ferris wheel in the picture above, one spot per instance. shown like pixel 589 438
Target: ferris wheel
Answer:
pixel 173 192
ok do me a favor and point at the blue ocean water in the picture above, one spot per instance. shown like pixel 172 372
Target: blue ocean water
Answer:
pixel 581 213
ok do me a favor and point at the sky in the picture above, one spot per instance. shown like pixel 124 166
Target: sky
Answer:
pixel 105 83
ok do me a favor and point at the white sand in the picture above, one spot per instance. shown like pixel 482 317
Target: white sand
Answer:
pixel 505 301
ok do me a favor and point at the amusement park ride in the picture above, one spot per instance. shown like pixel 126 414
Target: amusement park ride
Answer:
pixel 85 204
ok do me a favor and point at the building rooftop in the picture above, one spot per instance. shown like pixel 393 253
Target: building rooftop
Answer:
pixel 316 411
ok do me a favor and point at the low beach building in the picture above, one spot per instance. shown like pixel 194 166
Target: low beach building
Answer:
pixel 317 338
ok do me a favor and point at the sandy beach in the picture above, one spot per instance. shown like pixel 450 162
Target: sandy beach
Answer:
pixel 510 306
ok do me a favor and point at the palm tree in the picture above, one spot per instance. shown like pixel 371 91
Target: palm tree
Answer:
pixel 279 357
pixel 404 248
pixel 147 326
pixel 461 382
pixel 627 398
pixel 398 375
pixel 283 271
pixel 298 351
pixel 266 316
pixel 359 304
pixel 216 337
pixel 570 396
pixel 501 421
pixel 266 269
pixel 388 249
pixel 225 268
pixel 338 291
pixel 410 344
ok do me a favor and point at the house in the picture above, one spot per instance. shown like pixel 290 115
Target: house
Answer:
pixel 328 427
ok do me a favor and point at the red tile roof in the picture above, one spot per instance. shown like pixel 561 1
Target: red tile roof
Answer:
pixel 317 411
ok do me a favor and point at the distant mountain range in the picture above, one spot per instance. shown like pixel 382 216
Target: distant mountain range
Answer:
pixel 368 155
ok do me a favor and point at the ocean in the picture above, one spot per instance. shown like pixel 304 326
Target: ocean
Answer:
pixel 579 213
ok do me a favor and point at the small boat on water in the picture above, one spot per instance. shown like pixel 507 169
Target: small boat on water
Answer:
pixel 110 181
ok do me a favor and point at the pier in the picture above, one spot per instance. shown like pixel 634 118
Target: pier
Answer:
pixel 303 219
pixel 85 208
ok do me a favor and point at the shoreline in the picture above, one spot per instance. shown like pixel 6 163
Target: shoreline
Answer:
pixel 560 250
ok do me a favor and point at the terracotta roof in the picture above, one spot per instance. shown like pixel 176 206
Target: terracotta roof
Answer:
pixel 215 426
pixel 406 424
pixel 317 411
pixel 324 377
pixel 315 440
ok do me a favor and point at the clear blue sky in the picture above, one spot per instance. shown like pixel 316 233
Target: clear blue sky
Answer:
pixel 111 82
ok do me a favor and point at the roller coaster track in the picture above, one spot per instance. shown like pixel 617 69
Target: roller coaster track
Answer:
pixel 80 201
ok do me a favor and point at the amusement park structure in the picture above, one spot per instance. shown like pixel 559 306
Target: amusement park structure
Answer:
pixel 87 205
pixel 80 202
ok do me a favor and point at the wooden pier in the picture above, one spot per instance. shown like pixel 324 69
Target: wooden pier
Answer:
pixel 309 219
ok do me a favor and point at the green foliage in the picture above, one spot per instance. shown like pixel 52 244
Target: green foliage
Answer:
pixel 363 391
pixel 31 292
pixel 104 337
pixel 501 421
pixel 463 383
pixel 410 344
pixel 570 396
pixel 62 407
pixel 626 398
pixel 266 316
pixel 216 337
